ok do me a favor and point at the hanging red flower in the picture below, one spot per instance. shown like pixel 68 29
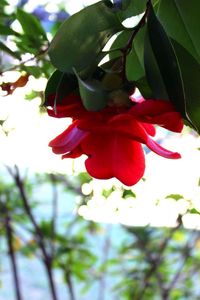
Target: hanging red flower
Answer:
pixel 112 138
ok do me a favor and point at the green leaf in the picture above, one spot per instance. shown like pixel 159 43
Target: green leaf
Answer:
pixel 33 70
pixel 166 61
pixel 30 25
pixel 4 48
pixel 144 88
pixel 153 73
pixel 181 21
pixel 174 196
pixel 194 211
pixel 82 37
pixel 131 8
pixel 190 70
pixel 5 30
pixel 3 3
pixel 60 84
pixel 93 94
pixel 119 43
pixel 135 60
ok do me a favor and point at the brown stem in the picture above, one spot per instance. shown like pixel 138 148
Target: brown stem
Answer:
pixel 155 262
pixel 9 237
pixel 70 286
pixel 125 51
pixel 54 212
pixel 105 251
pixel 36 56
pixel 47 259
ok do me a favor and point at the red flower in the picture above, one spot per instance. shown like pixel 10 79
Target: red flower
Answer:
pixel 112 138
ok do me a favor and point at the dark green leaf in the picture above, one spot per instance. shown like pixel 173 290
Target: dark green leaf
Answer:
pixel 153 73
pixel 190 70
pixel 4 48
pixel 135 60
pixel 6 30
pixel 131 8
pixel 181 21
pixel 167 62
pixel 60 84
pixel 30 24
pixel 29 44
pixel 93 94
pixel 3 3
pixel 144 88
pixel 119 43
pixel 82 37
pixel 128 194
pixel 33 70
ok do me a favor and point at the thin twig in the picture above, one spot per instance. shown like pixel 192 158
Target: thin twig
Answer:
pixel 22 63
pixel 11 251
pixel 70 285
pixel 105 253
pixel 47 259
pixel 156 261
pixel 125 51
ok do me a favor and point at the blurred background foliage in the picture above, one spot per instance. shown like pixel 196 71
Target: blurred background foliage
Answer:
pixel 47 248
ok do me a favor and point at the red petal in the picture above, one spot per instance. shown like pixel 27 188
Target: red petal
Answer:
pixel 158 112
pixel 171 121
pixel 77 152
pixel 68 139
pixel 152 145
pixel 152 108
pixel 150 129
pixel 112 155
pixel 123 124
pixel 72 111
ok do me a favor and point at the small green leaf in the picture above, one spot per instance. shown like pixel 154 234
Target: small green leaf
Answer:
pixel 82 37
pixel 119 43
pixel 194 211
pixel 33 70
pixel 174 196
pixel 93 94
pixel 4 48
pixel 30 25
pixel 60 84
pixel 5 30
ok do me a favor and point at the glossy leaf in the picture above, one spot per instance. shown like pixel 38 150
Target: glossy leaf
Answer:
pixel 132 8
pixel 153 73
pixel 5 30
pixel 5 49
pixel 93 94
pixel 30 24
pixel 82 37
pixel 135 60
pixel 166 61
pixel 119 43
pixel 190 70
pixel 60 84
pixel 144 88
pixel 180 19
